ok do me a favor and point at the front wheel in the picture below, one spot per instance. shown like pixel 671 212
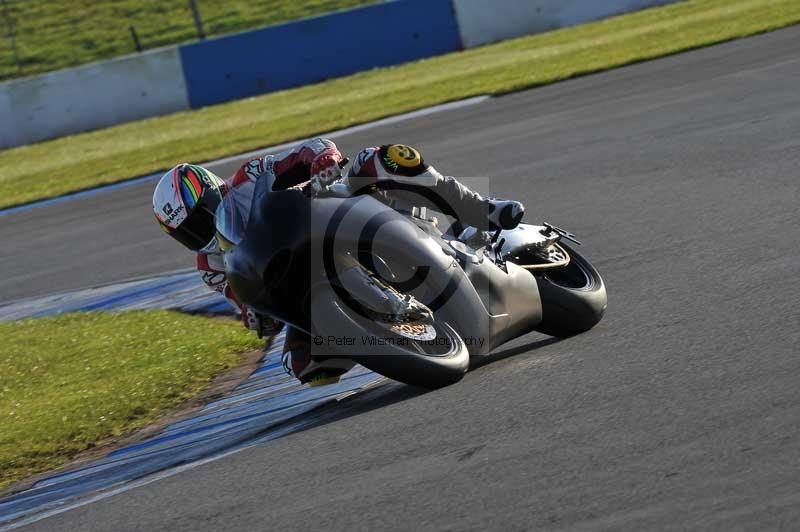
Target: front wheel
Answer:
pixel 431 355
pixel 426 353
pixel 573 298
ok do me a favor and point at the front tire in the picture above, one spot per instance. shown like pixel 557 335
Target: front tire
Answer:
pixel 430 354
pixel 432 364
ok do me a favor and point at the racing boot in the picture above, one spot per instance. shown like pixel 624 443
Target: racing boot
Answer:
pixel 298 361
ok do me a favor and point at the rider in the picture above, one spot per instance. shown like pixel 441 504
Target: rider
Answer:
pixel 186 198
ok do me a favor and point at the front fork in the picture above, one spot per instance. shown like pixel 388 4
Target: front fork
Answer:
pixel 378 300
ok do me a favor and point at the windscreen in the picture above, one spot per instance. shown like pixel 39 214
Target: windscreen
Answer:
pixel 232 215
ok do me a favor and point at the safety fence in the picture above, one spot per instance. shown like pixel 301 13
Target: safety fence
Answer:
pixel 274 58
pixel 38 36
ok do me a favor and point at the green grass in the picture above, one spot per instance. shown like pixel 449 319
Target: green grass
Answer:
pixel 53 34
pixel 72 163
pixel 78 380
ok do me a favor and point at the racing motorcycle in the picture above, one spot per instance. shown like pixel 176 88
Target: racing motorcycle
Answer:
pixel 389 289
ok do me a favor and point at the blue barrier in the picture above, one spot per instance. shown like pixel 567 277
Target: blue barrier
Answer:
pixel 312 50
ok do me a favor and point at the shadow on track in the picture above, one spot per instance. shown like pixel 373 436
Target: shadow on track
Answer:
pixel 390 392
pixel 383 395
pixel 512 351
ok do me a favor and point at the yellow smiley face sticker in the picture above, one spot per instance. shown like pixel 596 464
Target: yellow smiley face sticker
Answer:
pixel 404 156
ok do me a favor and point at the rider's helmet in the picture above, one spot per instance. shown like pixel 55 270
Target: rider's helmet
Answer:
pixel 184 202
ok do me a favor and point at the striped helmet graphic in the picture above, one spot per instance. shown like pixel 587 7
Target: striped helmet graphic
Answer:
pixel 184 203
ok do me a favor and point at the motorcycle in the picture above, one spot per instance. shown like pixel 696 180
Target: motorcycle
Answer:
pixel 386 288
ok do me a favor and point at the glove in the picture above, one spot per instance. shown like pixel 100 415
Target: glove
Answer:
pixel 327 167
pixel 262 325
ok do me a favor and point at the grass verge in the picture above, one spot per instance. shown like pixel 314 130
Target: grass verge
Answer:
pixel 53 34
pixel 72 382
pixel 73 163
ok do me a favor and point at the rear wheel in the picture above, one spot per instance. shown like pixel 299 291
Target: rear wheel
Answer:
pixel 573 297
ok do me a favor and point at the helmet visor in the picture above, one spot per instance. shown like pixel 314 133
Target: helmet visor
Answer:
pixel 197 230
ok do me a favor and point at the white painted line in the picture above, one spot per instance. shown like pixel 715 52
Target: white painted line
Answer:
pixel 125 486
pixel 59 507
pixel 357 129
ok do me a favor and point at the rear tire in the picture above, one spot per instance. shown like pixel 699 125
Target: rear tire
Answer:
pixel 573 298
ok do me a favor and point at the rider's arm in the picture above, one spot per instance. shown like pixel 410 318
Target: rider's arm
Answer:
pixel 365 169
pixel 291 167
pixel 213 275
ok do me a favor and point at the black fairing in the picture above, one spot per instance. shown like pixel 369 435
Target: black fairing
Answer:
pixel 294 247
pixel 280 259
pixel 269 269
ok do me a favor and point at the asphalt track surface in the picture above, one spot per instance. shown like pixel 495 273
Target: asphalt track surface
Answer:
pixel 680 410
